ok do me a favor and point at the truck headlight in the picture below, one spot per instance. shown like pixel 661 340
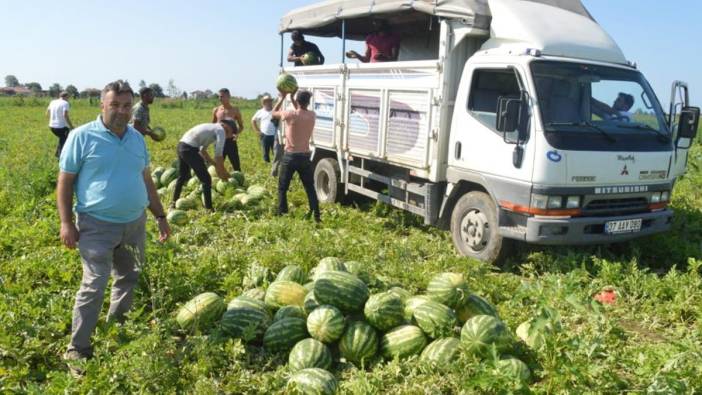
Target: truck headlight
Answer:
pixel 539 201
pixel 656 197
pixel 573 202
pixel 665 196
pixel 555 202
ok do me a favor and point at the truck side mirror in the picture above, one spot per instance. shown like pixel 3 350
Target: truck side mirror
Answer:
pixel 512 118
pixel 689 122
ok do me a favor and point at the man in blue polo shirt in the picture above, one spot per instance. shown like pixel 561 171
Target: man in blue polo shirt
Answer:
pixel 106 164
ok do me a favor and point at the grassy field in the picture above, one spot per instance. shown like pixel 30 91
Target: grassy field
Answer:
pixel 649 341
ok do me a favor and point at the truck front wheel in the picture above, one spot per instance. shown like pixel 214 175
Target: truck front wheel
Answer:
pixel 327 181
pixel 475 229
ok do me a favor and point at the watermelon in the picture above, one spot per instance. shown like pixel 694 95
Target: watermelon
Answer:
pixel 359 343
pixel 312 381
pixel 513 368
pixel 285 293
pixel 441 352
pixel 412 303
pixel 310 58
pixel 225 188
pixel 329 263
pixel 384 311
pixel 246 323
pixel 239 178
pixel 256 192
pixel 450 289
pixel 533 337
pixel 292 273
pixel 311 303
pixel 171 187
pixel 286 83
pixel 162 192
pixel 157 173
pixel 309 286
pixel 359 269
pixel 177 217
pixel 481 332
pixel 176 163
pixel 156 181
pixel 168 176
pixel 310 353
pixel 403 341
pixel 435 319
pixel 245 301
pixel 402 293
pixel 256 276
pixel 284 334
pixel 186 204
pixel 474 305
pixel 256 293
pixel 326 323
pixel 289 311
pixel 193 182
pixel 158 134
pixel 213 173
pixel 200 311
pixel 340 289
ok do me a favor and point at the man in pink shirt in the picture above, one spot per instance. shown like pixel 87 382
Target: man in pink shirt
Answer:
pixel 381 46
pixel 299 124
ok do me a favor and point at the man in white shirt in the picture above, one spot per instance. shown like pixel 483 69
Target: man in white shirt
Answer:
pixel 266 126
pixel 59 121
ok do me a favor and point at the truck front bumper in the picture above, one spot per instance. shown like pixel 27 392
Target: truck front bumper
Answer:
pixel 591 230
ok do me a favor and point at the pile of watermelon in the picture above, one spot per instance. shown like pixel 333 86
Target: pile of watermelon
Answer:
pixel 232 195
pixel 331 316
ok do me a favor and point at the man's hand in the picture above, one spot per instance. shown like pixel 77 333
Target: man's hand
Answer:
pixel 69 235
pixel 352 54
pixel 164 230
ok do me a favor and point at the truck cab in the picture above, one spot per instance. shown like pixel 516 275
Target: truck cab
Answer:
pixel 512 121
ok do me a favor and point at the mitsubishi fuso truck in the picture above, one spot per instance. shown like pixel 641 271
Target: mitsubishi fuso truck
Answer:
pixel 500 120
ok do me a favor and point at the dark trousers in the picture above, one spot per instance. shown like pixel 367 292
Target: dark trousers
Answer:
pixel 189 158
pixel 231 151
pixel 267 147
pixel 300 163
pixel 62 134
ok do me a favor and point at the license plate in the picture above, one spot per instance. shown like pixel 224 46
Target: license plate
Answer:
pixel 624 226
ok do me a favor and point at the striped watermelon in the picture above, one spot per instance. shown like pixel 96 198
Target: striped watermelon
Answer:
pixel 284 334
pixel 384 311
pixel 289 311
pixel 340 289
pixel 411 304
pixel 200 311
pixel 514 368
pixel 402 293
pixel 177 217
pixel 285 293
pixel 327 264
pixel 292 273
pixel 359 343
pixel 534 332
pixel 326 323
pixel 246 323
pixel 309 286
pixel 286 83
pixel 450 289
pixel 245 301
pixel 256 293
pixel 310 303
pixel 481 332
pixel 256 276
pixel 310 353
pixel 312 381
pixel 358 269
pixel 474 305
pixel 403 341
pixel 441 352
pixel 435 319
pixel 168 176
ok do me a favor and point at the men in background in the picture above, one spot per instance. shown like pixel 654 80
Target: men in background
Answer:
pixel 227 111
pixel 381 46
pixel 140 113
pixel 106 164
pixel 192 154
pixel 300 47
pixel 59 121
pixel 266 126
pixel 299 124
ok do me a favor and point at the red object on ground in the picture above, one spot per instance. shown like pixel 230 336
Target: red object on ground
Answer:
pixel 607 296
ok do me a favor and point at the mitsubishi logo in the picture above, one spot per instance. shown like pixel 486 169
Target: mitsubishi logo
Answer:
pixel 625 171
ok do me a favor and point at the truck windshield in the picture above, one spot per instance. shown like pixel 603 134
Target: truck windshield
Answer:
pixel 590 107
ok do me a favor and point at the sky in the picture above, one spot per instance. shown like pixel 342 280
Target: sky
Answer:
pixel 209 44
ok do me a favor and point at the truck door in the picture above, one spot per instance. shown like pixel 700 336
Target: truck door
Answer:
pixel 475 144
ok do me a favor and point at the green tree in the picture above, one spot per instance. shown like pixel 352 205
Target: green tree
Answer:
pixel 11 81
pixel 35 87
pixel 158 91
pixel 55 89
pixel 72 91
pixel 142 84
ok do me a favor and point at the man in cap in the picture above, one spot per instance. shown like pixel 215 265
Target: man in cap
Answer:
pixel 59 121
pixel 266 126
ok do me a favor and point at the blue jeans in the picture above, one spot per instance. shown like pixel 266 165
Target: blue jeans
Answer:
pixel 267 147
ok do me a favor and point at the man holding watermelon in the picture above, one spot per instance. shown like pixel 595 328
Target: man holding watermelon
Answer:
pixel 302 52
pixel 106 164
pixel 140 113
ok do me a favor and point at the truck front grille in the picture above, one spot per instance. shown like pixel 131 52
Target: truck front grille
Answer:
pixel 603 207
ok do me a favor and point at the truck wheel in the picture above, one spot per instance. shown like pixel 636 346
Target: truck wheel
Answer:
pixel 475 229
pixel 327 181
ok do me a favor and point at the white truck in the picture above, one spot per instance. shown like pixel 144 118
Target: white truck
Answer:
pixel 501 120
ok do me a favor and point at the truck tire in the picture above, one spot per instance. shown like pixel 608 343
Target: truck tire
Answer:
pixel 475 230
pixel 327 181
